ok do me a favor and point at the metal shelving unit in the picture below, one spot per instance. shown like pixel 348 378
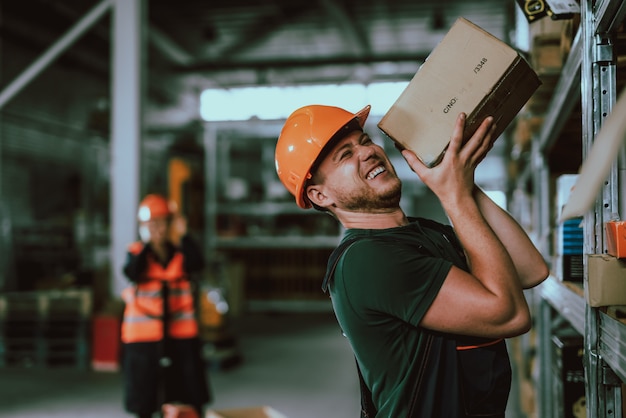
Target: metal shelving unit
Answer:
pixel 257 138
pixel 253 222
pixel 590 65
pixel 569 302
pixel 611 344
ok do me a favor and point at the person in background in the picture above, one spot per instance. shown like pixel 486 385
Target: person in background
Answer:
pixel 162 367
pixel 425 306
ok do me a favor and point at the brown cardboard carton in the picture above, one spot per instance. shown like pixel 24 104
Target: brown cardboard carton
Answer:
pixel 607 280
pixel 254 412
pixel 469 71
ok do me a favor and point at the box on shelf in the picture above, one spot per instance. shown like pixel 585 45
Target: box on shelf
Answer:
pixel 469 71
pixel 569 268
pixel 255 412
pixel 570 250
pixel 526 127
pixel 538 10
pixel 616 238
pixel 546 54
pixel 569 235
pixel 546 27
pixel 607 280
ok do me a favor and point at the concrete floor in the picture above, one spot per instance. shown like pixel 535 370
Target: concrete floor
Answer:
pixel 299 364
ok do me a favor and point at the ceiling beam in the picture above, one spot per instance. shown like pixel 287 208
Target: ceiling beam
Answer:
pixel 265 27
pixel 357 43
pixel 54 51
pixel 286 63
pixel 168 48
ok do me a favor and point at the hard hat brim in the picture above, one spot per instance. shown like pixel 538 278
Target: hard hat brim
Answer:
pixel 362 115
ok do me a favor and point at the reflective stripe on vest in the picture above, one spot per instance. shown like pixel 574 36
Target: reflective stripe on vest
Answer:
pixel 144 306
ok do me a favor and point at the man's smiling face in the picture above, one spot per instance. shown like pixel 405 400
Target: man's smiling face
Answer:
pixel 356 175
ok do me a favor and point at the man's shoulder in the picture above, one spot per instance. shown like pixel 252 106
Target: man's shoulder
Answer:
pixel 381 248
pixel 369 242
pixel 412 234
pixel 431 224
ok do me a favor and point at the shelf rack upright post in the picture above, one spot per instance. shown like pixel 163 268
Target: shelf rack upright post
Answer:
pixel 592 64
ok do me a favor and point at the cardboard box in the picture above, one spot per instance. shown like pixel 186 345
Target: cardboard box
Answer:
pixel 255 412
pixel 546 55
pixel 616 238
pixel 569 268
pixel 607 280
pixel 469 71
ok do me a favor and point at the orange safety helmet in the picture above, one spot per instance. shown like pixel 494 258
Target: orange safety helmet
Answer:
pixel 303 137
pixel 153 206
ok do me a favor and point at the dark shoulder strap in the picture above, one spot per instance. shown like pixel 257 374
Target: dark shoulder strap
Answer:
pixel 368 410
pixel 446 231
pixel 334 259
pixel 367 405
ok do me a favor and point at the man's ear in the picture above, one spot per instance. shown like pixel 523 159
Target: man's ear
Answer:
pixel 315 193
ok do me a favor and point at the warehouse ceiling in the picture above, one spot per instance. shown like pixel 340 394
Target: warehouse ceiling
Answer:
pixel 247 42
pixel 192 45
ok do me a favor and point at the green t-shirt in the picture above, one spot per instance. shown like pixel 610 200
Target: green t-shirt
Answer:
pixel 380 292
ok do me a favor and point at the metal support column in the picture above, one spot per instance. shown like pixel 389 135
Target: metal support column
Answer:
pixel 598 76
pixel 541 187
pixel 126 129
pixel 211 174
pixel 544 331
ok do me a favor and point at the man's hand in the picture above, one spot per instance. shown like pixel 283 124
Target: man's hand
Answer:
pixel 453 177
pixel 490 294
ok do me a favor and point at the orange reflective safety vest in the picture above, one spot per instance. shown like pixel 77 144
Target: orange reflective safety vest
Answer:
pixel 143 313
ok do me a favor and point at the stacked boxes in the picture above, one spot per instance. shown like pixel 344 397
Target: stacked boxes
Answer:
pixel 45 328
pixel 569 236
pixel 570 250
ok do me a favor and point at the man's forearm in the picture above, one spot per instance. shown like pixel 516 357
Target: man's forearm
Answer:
pixel 529 263
pixel 489 259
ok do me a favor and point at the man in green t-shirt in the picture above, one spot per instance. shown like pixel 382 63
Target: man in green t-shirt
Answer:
pixel 424 306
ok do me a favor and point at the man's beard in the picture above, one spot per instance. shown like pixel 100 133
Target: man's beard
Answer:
pixel 368 202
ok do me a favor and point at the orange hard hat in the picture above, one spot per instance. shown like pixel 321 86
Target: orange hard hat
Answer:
pixel 153 206
pixel 303 137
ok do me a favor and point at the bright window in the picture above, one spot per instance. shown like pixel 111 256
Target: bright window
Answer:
pixel 269 103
